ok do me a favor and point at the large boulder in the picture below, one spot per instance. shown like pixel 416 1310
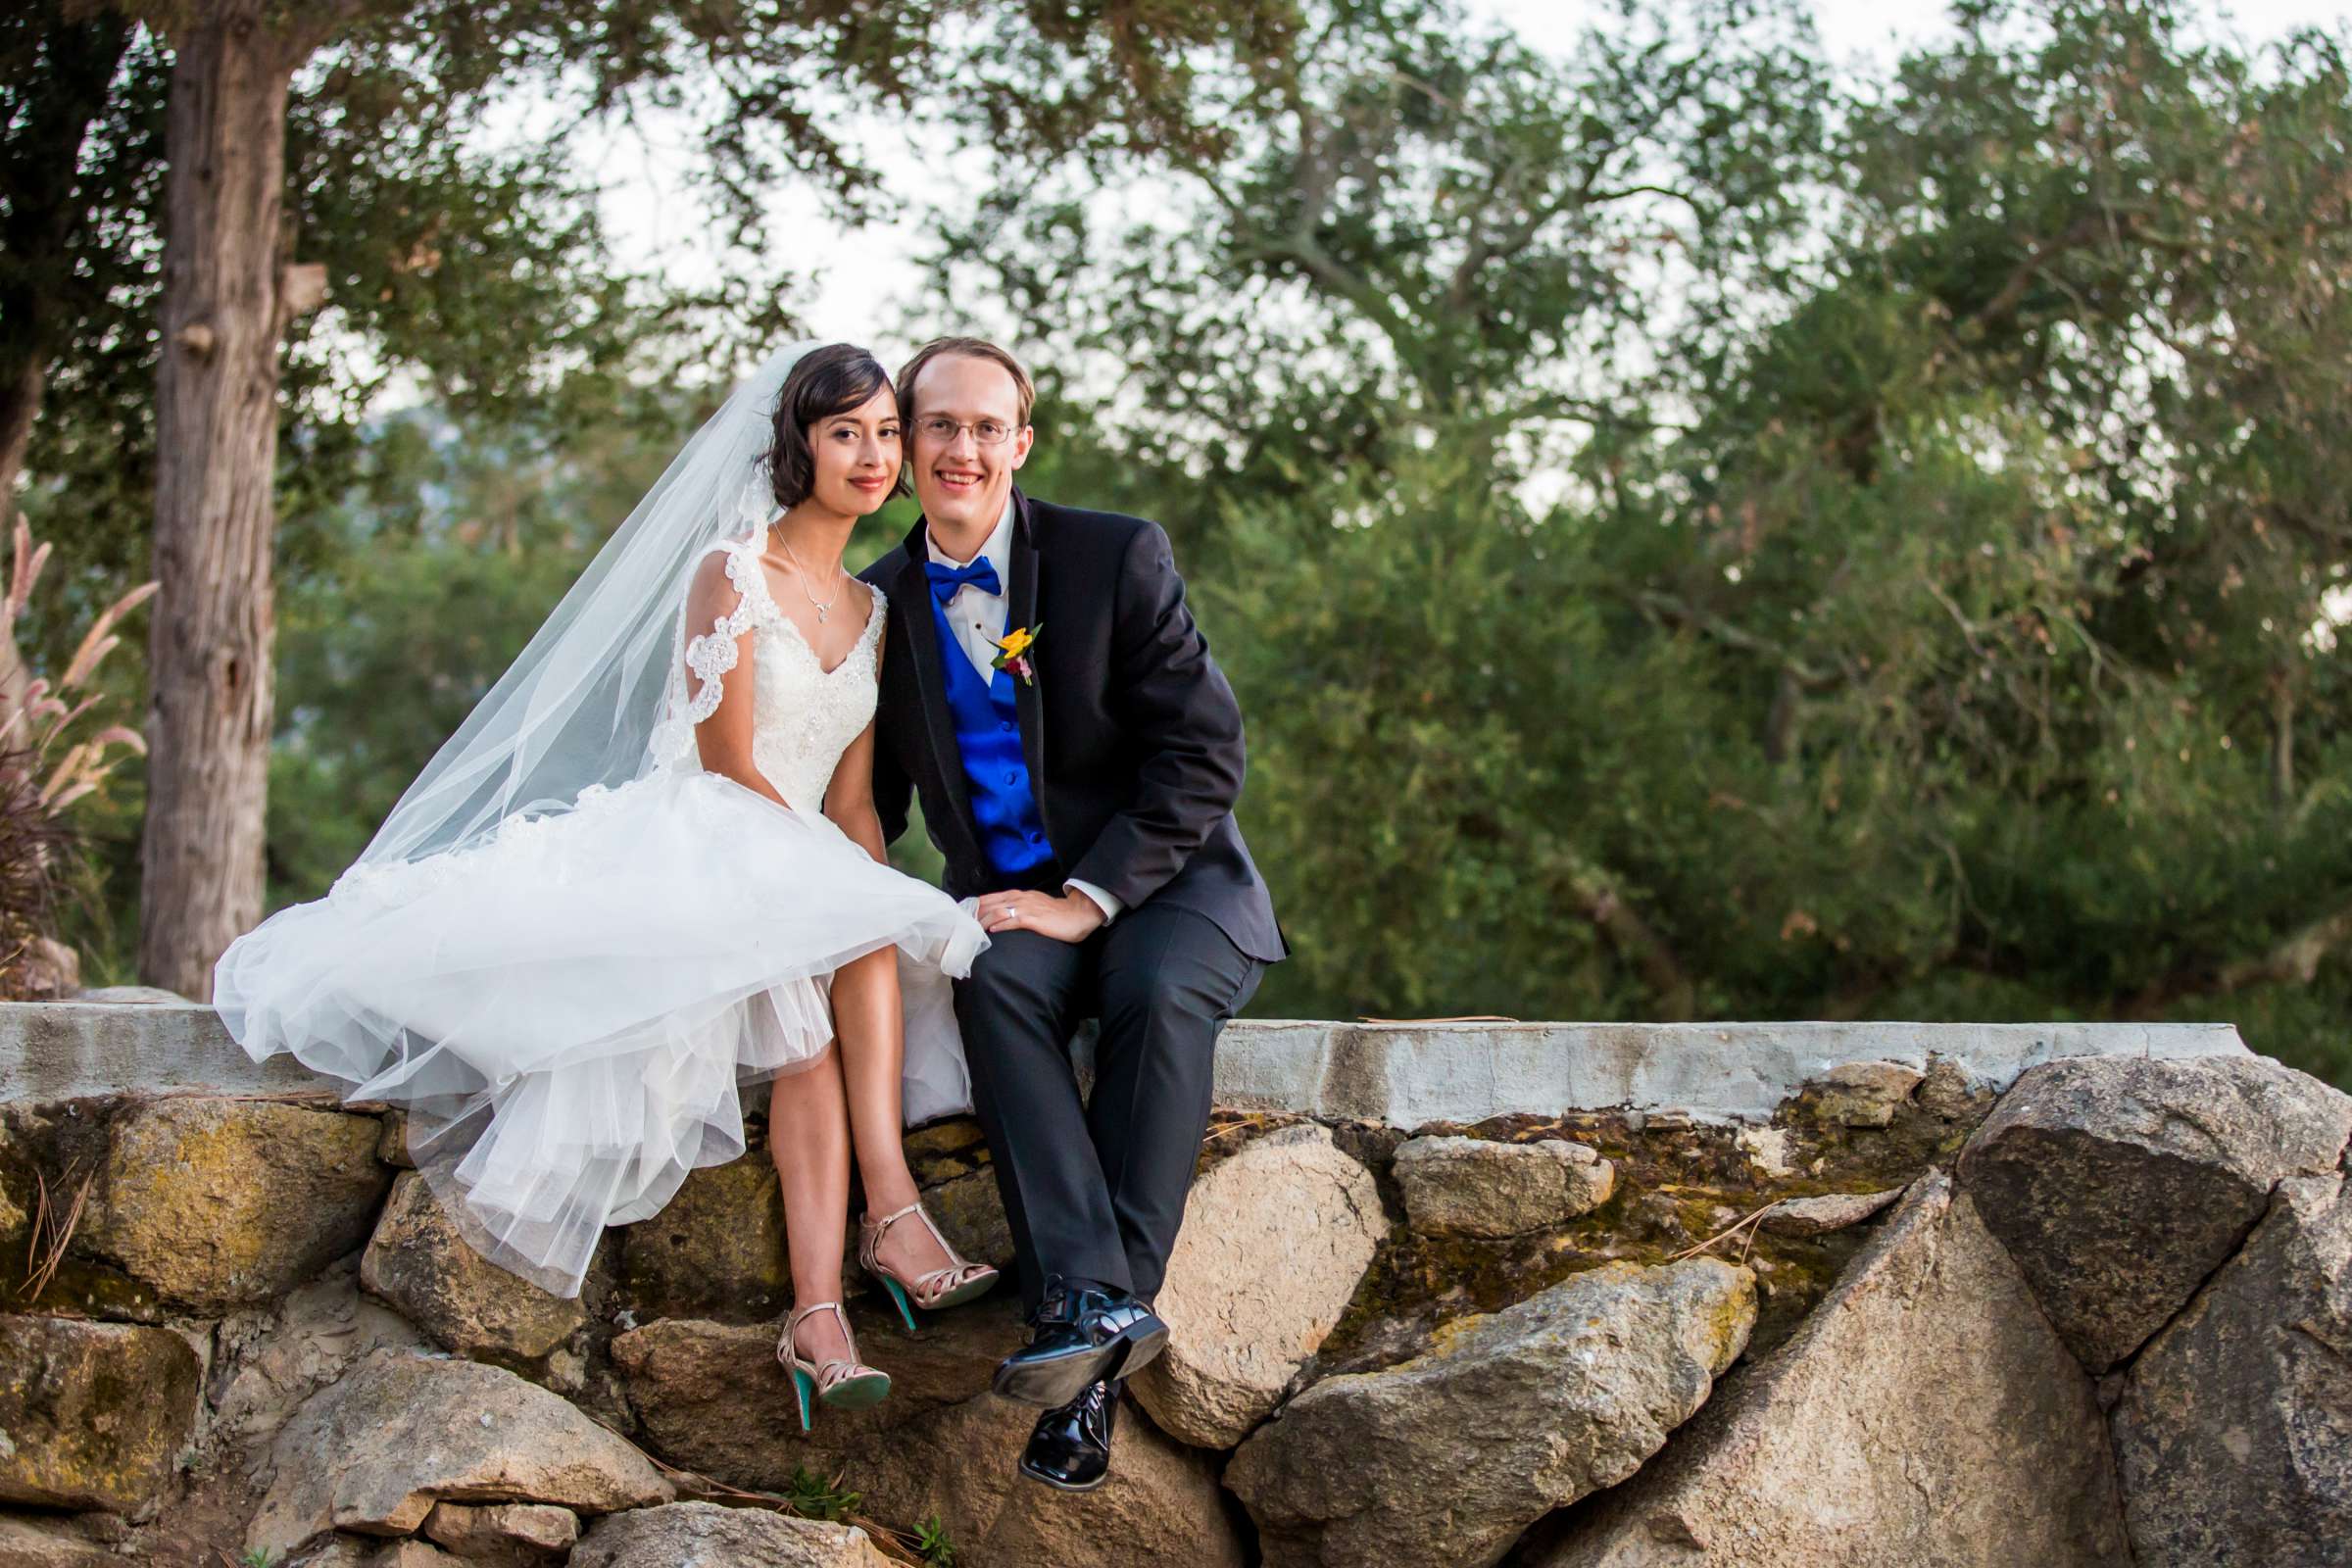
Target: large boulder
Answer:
pixel 217 1204
pixel 716 1249
pixel 373 1452
pixel 1924 1414
pixel 92 1415
pixel 2234 1431
pixel 713 1397
pixel 703 1535
pixel 2121 1183
pixel 418 1262
pixel 1160 1506
pixel 49 1543
pixel 1274 1243
pixel 1448 1456
pixel 1477 1186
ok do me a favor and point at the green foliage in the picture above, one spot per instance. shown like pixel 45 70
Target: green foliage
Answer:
pixel 1414 215
pixel 1693 535
pixel 932 1544
pixel 1971 652
pixel 813 1498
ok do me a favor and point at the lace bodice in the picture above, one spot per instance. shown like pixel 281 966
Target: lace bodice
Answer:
pixel 803 716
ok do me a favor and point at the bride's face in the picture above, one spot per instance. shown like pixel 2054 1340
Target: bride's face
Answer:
pixel 857 454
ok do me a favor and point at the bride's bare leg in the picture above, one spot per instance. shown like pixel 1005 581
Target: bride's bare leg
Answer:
pixel 873 1046
pixel 809 1140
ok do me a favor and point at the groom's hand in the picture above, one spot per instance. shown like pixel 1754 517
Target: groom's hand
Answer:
pixel 1071 918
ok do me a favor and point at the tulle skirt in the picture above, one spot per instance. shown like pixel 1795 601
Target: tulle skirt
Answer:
pixel 569 1011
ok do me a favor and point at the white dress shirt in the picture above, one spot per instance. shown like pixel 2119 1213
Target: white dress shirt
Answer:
pixel 977 619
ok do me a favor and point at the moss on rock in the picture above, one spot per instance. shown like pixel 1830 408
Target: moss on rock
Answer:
pixel 94 1414
pixel 1679 1183
pixel 215 1204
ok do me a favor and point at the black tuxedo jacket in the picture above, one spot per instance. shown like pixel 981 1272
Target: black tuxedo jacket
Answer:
pixel 1132 735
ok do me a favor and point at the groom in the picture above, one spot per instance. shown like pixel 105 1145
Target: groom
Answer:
pixel 1081 783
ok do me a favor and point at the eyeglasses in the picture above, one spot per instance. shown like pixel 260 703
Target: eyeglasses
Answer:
pixel 985 432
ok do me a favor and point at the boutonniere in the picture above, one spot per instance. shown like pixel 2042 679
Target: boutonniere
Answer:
pixel 1012 654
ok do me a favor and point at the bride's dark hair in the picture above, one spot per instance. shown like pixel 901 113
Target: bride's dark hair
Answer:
pixel 833 379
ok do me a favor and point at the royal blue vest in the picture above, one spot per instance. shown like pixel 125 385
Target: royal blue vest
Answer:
pixel 996 776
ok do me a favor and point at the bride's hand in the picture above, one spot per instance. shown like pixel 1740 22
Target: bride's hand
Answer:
pixel 1071 918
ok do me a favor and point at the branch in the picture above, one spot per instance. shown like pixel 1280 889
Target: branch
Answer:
pixel 1685 612
pixel 2098 222
pixel 2293 961
pixel 1597 897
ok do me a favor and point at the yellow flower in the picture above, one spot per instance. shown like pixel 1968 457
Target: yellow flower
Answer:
pixel 1016 643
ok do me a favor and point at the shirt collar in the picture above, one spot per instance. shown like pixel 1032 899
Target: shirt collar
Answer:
pixel 994 551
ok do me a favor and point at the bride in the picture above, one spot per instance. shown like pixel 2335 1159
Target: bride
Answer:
pixel 646 871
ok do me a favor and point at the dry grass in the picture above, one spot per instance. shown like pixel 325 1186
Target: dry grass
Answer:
pixel 1745 1228
pixel 49 759
pixel 51 1233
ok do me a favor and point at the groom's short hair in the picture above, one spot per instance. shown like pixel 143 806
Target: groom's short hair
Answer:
pixel 976 348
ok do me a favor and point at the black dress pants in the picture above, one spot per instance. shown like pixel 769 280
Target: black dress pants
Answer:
pixel 1094 1189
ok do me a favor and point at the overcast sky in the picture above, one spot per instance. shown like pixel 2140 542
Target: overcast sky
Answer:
pixel 865 280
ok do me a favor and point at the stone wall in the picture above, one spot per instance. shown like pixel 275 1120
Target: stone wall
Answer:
pixel 1545 1294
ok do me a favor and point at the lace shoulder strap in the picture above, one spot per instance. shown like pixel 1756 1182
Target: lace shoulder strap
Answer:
pixel 713 653
pixel 749 579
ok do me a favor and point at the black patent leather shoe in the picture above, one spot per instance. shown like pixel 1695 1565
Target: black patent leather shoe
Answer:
pixel 1070 1449
pixel 1080 1335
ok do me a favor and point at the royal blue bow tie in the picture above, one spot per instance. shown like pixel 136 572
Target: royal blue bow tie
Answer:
pixel 946 581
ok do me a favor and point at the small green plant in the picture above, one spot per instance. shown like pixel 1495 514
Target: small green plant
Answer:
pixel 256 1557
pixel 816 1499
pixel 931 1541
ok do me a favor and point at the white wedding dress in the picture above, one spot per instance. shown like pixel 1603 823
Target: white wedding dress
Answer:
pixel 570 1004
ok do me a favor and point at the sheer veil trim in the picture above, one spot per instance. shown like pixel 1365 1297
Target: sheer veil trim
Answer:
pixel 597 697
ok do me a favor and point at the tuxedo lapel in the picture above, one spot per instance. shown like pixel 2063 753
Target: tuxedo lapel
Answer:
pixel 911 596
pixel 1021 613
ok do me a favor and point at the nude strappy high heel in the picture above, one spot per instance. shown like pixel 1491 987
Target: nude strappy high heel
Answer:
pixel 952 1285
pixel 846 1385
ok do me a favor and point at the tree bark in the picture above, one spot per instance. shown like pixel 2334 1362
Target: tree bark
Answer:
pixel 209 660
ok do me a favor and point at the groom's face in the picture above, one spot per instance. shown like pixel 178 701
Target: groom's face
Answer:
pixel 961 483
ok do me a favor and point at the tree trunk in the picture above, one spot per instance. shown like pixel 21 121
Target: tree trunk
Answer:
pixel 209 660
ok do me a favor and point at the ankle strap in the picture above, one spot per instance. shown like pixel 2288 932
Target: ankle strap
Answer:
pixel 799 1314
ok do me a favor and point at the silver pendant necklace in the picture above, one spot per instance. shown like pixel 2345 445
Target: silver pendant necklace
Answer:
pixel 802 573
